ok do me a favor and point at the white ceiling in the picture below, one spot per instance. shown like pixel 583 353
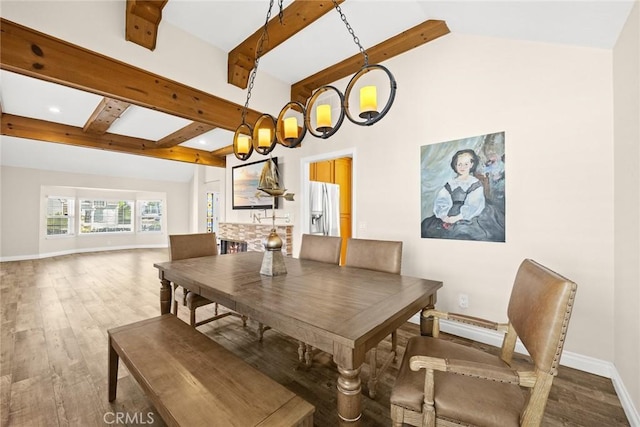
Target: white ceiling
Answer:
pixel 227 23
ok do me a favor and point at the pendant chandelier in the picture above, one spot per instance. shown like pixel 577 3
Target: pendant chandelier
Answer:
pixel 325 110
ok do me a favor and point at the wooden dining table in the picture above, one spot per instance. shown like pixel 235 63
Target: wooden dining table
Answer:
pixel 344 311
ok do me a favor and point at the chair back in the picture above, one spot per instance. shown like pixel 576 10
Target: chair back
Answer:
pixel 378 255
pixel 321 248
pixel 182 246
pixel 539 310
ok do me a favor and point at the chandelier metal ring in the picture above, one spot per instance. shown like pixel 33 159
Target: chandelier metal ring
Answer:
pixel 281 134
pixel 323 132
pixel 242 148
pixel 373 117
pixel 265 124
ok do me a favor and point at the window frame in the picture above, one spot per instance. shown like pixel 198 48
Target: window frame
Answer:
pixel 70 216
pixel 139 216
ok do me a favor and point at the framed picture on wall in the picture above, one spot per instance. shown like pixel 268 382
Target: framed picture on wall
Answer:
pixel 463 189
pixel 244 187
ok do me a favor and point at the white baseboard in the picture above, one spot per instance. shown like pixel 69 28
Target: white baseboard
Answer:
pixel 78 251
pixel 569 359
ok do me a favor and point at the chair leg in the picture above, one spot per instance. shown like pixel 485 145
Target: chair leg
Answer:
pixel 261 327
pixel 308 357
pixel 192 317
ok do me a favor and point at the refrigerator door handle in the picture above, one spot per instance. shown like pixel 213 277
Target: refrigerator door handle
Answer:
pixel 325 209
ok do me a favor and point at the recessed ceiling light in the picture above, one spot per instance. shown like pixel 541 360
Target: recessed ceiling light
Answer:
pixel 203 142
pixel 54 109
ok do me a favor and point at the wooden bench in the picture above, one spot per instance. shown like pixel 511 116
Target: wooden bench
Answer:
pixel 193 381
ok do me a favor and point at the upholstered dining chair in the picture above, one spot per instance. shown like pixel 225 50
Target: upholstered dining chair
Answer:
pixel 183 246
pixel 444 383
pixel 322 249
pixel 378 255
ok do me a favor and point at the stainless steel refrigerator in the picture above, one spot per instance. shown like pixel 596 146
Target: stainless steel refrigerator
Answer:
pixel 324 209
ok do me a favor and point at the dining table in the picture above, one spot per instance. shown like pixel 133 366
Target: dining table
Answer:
pixel 344 311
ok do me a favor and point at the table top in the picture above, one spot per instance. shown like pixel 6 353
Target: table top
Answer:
pixel 319 303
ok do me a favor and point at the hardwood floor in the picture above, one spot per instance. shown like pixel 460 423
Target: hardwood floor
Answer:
pixel 55 312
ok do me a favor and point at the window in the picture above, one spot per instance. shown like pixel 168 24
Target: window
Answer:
pixel 105 216
pixel 212 203
pixel 149 215
pixel 60 214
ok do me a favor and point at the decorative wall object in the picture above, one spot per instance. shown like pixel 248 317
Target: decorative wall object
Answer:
pixel 463 189
pixel 245 194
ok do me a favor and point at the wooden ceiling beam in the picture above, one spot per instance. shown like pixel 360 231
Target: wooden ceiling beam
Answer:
pixel 223 152
pixel 105 114
pixel 297 16
pixel 41 130
pixel 181 135
pixel 142 18
pixel 31 53
pixel 403 42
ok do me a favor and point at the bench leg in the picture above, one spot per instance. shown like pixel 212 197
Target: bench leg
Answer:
pixel 112 372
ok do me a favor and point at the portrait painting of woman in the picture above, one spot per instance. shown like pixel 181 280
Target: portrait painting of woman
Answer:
pixel 463 187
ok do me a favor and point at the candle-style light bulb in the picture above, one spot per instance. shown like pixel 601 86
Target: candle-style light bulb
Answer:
pixel 291 127
pixel 243 144
pixel 368 99
pixel 323 116
pixel 264 137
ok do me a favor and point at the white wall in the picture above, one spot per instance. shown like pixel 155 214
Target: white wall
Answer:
pixel 626 69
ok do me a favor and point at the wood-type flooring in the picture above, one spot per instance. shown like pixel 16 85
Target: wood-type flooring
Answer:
pixel 55 313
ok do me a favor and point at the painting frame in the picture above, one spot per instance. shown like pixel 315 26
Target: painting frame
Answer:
pixel 244 187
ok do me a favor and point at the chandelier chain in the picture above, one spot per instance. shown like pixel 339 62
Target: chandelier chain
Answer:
pixel 356 40
pixel 259 50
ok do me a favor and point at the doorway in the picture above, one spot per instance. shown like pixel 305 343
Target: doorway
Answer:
pixel 335 168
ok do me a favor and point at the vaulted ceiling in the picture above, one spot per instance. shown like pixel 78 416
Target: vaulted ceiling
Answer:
pixel 177 118
pixel 30 53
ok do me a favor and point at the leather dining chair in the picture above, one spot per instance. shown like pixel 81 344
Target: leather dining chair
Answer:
pixel 322 249
pixel 441 382
pixel 183 246
pixel 378 255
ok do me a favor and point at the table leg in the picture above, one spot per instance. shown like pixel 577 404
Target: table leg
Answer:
pixel 165 296
pixel 349 396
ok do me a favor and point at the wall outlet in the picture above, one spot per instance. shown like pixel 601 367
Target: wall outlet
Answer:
pixel 463 300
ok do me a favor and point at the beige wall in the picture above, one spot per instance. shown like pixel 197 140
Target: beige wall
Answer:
pixel 626 86
pixel 23 191
pixel 555 105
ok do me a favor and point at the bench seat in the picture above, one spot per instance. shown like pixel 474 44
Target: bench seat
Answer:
pixel 194 381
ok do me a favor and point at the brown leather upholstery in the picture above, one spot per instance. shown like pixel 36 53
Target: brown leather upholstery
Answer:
pixel 379 255
pixel 321 248
pixel 183 246
pixel 472 387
